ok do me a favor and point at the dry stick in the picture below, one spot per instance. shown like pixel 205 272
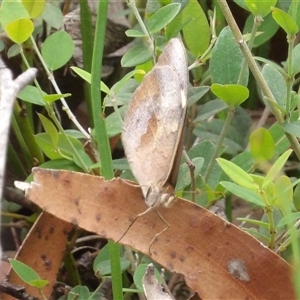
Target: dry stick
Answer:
pixel 9 89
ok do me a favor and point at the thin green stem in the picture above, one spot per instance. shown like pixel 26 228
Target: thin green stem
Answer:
pixel 57 90
pixel 219 145
pixel 101 137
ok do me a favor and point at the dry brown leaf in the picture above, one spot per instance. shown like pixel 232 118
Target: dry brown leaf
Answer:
pixel 42 250
pixel 218 260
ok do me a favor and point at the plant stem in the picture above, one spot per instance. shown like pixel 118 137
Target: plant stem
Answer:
pixel 57 90
pixel 101 137
pixel 215 155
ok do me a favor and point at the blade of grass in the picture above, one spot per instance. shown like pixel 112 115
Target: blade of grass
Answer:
pixel 101 137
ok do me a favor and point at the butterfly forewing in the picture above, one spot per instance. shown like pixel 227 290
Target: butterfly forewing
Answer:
pixel 153 125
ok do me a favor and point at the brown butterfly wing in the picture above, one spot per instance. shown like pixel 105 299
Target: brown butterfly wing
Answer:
pixel 153 125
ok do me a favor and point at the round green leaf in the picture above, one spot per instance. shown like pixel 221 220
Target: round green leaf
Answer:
pixel 19 30
pixel 34 7
pixel 262 145
pixel 285 21
pixel 260 8
pixel 136 56
pixel 163 16
pixel 232 94
pixel 57 49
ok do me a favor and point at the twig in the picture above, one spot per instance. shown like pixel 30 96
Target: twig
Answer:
pixel 16 291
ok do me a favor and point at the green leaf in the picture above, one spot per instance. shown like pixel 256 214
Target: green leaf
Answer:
pixel 210 109
pixel 284 194
pixel 289 219
pixel 11 11
pixel 19 30
pixel 197 41
pixel 243 193
pixel 87 77
pixel 232 94
pixel 262 146
pixel 57 49
pixel 238 175
pixel 26 273
pixel 101 265
pixel 14 50
pixel 276 83
pixel 50 129
pixel 277 167
pixel 196 93
pixel 292 128
pixel 34 7
pixel 296 60
pixel 226 60
pixel 162 17
pixel 134 33
pixel 136 56
pixel 63 150
pixel 31 94
pixel 260 8
pixel 53 97
pixel 184 175
pixel 285 21
pixel 38 283
pixel 116 87
pixel 79 292
pixel 53 16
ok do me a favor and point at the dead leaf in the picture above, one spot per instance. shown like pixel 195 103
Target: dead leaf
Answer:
pixel 198 244
pixel 42 250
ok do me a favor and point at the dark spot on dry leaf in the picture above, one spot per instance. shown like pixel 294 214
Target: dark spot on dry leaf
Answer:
pixel 76 201
pixel 55 174
pixel 51 229
pixel 66 182
pixel 173 254
pixel 182 258
pixel 65 231
pixel 43 256
pixel 38 232
pixel 208 254
pixel 189 248
pixel 79 211
pixel 98 217
pixel 74 221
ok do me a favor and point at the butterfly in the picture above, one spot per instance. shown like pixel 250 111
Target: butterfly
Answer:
pixel 153 126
